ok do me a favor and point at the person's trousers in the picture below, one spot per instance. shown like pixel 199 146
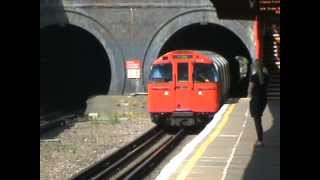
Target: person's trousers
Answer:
pixel 257 106
pixel 259 129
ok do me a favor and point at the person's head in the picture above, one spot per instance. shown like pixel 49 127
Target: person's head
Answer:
pixel 259 69
pixel 258 66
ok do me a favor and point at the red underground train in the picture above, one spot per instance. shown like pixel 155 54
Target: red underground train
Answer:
pixel 186 87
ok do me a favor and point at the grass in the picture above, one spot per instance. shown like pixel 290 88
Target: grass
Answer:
pixel 115 118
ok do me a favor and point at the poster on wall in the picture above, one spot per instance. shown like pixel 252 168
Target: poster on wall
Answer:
pixel 133 69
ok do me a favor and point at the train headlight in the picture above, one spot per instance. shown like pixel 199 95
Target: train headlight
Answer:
pixel 200 93
pixel 166 93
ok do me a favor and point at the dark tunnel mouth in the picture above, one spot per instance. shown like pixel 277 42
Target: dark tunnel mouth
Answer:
pixel 217 38
pixel 73 67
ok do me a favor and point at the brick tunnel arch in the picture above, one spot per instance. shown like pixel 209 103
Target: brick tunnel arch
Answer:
pixel 73 67
pixel 101 33
pixel 77 61
pixel 201 30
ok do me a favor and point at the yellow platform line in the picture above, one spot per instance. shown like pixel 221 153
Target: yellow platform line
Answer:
pixel 203 147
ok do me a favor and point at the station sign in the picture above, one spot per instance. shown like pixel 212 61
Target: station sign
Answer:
pixel 247 9
pixel 133 69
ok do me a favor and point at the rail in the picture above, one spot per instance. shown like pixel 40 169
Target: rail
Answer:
pixel 131 161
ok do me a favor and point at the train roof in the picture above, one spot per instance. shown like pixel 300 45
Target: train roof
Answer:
pixel 184 55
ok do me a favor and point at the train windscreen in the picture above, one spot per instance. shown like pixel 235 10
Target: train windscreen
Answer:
pixel 161 73
pixel 205 73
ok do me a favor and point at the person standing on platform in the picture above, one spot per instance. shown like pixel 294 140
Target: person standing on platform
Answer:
pixel 258 97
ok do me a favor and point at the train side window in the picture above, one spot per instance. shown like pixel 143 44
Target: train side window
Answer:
pixel 161 73
pixel 219 69
pixel 216 69
pixel 183 74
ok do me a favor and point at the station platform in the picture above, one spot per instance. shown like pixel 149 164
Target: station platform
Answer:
pixel 225 149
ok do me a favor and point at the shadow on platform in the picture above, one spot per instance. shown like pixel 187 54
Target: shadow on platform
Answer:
pixel 265 161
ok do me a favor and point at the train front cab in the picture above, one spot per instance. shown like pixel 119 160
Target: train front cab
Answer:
pixel 184 89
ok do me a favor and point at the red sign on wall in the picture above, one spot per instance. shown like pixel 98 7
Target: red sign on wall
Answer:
pixel 133 69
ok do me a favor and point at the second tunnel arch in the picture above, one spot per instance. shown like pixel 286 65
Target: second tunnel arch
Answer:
pixel 201 30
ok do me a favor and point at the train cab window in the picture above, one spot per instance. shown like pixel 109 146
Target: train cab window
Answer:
pixel 183 74
pixel 205 73
pixel 161 73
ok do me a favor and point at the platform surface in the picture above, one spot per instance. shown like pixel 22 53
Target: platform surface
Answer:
pixel 229 151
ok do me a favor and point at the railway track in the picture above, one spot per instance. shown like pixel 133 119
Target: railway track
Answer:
pixel 55 119
pixel 46 125
pixel 135 160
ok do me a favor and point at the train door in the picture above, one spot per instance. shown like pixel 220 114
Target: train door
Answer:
pixel 183 86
